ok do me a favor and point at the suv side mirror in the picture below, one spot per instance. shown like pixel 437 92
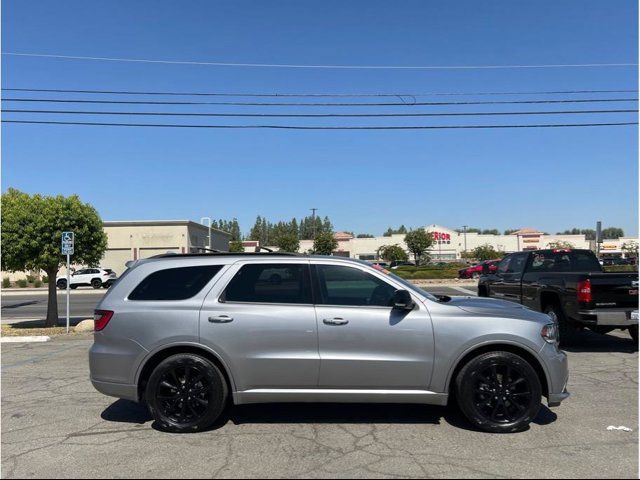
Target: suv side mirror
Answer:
pixel 402 300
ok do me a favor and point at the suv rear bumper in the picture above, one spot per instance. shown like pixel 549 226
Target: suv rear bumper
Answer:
pixel 613 317
pixel 119 390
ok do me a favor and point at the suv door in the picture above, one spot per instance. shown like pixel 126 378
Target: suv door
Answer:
pixel 364 342
pixel 80 277
pixel 262 322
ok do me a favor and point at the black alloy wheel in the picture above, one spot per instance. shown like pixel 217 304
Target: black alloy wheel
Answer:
pixel 186 393
pixel 499 392
pixel 96 283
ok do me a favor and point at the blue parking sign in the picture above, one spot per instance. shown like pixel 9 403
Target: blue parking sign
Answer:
pixel 68 239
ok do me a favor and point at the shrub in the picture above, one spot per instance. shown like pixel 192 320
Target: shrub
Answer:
pixel 30 278
pixel 22 283
pixel 37 283
pixel 6 283
pixel 45 279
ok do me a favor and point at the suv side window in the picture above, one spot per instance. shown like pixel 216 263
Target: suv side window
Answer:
pixel 174 283
pixel 270 283
pixel 340 285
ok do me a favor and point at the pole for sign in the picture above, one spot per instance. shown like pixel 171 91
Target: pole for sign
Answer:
pixel 68 288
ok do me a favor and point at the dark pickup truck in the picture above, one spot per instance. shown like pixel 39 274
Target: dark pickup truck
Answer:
pixel 570 286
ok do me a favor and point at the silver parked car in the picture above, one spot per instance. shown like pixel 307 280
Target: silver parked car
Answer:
pixel 187 334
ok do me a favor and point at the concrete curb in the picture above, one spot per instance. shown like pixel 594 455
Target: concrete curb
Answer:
pixel 24 339
pixel 26 291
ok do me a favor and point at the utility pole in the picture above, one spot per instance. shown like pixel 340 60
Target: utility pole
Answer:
pixel 313 220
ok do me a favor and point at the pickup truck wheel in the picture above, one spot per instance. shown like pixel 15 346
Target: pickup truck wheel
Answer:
pixel 186 393
pixel 633 331
pixel 499 392
pixel 566 331
pixel 61 284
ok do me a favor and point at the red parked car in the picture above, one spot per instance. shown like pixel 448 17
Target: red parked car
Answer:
pixel 476 270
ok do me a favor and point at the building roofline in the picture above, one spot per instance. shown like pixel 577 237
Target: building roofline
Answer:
pixel 160 223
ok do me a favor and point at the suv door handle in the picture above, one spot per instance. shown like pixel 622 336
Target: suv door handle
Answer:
pixel 335 321
pixel 221 319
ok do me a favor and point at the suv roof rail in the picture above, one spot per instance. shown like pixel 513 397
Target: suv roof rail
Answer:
pixel 225 254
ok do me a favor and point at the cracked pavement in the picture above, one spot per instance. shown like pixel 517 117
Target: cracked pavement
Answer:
pixel 54 424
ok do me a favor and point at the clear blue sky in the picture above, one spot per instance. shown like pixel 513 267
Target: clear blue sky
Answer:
pixel 365 181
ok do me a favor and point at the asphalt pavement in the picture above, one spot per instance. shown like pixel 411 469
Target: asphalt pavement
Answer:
pixel 55 425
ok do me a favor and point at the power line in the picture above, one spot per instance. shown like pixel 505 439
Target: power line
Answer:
pixel 304 127
pixel 335 67
pixel 319 104
pixel 334 95
pixel 319 115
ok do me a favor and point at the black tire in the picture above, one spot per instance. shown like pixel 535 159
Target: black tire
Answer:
pixel 566 331
pixel 61 284
pixel 186 393
pixel 73 287
pixel 499 392
pixel 96 283
pixel 633 331
pixel 482 291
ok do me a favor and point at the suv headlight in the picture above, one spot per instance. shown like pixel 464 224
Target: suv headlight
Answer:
pixel 550 333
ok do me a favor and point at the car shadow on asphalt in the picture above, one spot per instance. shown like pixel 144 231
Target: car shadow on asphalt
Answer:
pixel 125 411
pixel 617 341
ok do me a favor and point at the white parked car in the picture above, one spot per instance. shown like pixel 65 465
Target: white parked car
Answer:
pixel 94 277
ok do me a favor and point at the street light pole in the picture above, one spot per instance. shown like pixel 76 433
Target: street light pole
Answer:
pixel 313 219
pixel 202 221
pixel 464 228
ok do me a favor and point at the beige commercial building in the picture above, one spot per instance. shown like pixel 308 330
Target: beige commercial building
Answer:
pixel 132 240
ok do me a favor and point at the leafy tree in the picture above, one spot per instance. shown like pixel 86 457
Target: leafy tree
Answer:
pixel 288 242
pixel 392 253
pixel 235 246
pixel 630 249
pixel 492 231
pixel 418 242
pixel 485 252
pixel 364 235
pixel 509 231
pixel 560 244
pixel 324 244
pixel 32 227
pixel 390 231
pixel 612 233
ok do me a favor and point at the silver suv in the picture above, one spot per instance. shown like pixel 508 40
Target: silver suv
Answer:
pixel 188 334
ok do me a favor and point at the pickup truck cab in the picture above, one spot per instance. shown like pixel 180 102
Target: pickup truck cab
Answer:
pixel 570 286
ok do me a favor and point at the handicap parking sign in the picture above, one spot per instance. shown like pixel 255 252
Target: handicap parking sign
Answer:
pixel 68 239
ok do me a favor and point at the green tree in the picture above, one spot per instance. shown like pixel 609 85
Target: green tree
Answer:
pixel 32 227
pixel 560 244
pixel 509 231
pixel 612 233
pixel 364 235
pixel 418 242
pixel 392 253
pixel 235 246
pixel 324 244
pixel 287 242
pixel 485 252
pixel 490 231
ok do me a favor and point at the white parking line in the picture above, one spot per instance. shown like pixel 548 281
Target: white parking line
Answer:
pixel 466 291
pixel 38 338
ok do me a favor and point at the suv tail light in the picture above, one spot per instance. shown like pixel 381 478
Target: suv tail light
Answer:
pixel 101 319
pixel 584 291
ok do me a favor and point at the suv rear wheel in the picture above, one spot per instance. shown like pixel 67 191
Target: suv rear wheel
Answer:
pixel 96 283
pixel 186 393
pixel 499 392
pixel 61 284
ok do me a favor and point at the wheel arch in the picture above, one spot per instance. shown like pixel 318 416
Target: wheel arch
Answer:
pixel 549 297
pixel 519 350
pixel 150 363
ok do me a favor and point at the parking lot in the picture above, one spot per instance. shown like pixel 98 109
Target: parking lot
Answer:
pixel 56 425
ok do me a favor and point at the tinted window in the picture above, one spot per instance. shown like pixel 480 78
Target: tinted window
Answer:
pixel 270 283
pixel 565 262
pixel 350 286
pixel 517 263
pixel 503 266
pixel 174 283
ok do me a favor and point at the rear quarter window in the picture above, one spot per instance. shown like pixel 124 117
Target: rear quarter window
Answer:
pixel 174 283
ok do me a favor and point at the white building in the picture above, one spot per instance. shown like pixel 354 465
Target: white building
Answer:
pixel 449 244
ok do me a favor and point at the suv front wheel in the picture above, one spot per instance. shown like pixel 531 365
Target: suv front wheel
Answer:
pixel 186 393
pixel 499 392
